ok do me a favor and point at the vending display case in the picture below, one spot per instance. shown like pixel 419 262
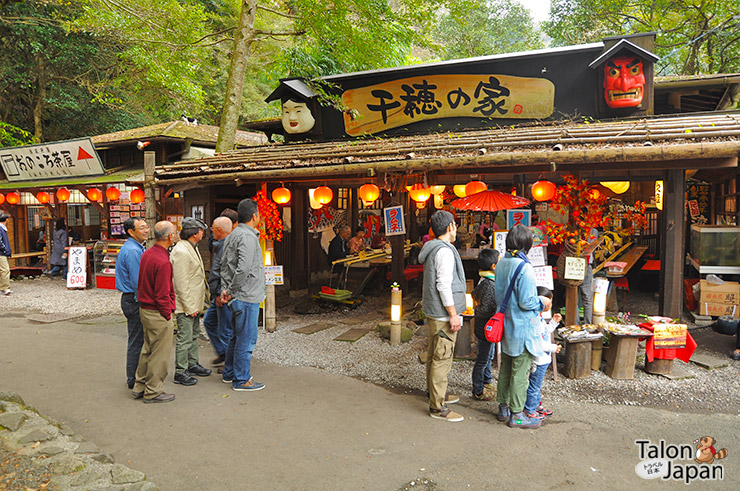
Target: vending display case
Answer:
pixel 105 253
pixel 715 249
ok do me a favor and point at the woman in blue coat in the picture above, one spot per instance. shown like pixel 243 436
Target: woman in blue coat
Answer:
pixel 519 344
pixel 58 259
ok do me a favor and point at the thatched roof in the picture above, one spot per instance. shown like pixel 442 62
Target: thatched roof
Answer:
pixel 200 134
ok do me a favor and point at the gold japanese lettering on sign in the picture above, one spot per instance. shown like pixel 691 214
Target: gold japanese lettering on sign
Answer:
pixel 670 336
pixel 410 100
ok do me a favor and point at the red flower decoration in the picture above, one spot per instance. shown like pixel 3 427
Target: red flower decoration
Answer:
pixel 270 213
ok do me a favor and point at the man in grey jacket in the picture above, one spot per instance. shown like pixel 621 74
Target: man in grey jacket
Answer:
pixel 243 287
pixel 443 299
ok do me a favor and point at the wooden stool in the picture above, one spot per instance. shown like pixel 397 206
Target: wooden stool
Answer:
pixel 577 359
pixel 621 357
pixel 659 367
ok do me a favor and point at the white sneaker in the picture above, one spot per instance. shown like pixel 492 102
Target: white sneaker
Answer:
pixel 7 292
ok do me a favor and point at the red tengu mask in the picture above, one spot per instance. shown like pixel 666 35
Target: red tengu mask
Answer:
pixel 624 82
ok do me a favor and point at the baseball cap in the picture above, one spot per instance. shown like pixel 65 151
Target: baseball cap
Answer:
pixel 190 222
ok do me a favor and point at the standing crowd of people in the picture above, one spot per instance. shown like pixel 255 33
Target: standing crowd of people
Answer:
pixel 164 291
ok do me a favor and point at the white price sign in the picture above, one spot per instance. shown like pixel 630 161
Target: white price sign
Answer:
pixel 575 268
pixel 77 267
pixel 543 277
pixel 538 256
pixel 499 241
pixel 273 275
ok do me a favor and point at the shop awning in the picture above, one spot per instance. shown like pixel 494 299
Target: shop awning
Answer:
pixel 121 176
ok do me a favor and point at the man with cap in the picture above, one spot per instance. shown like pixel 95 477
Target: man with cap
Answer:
pixel 191 292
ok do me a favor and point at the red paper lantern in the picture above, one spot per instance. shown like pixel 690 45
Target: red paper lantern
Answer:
pixel 43 197
pixel 137 196
pixel 13 198
pixel 543 190
pixel 475 187
pixel 323 195
pixel 369 193
pixel 2 198
pixel 112 193
pixel 94 194
pixel 281 195
pixel 420 193
pixel 63 194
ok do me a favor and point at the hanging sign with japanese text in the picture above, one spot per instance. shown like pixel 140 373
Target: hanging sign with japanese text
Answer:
pixel 670 336
pixel 538 256
pixel 274 275
pixel 77 267
pixel 543 277
pixel 51 160
pixel 499 241
pixel 402 102
pixel 394 224
pixel 575 268
pixel 518 217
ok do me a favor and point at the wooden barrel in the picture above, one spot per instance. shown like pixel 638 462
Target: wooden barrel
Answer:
pixel 577 359
pixel 659 367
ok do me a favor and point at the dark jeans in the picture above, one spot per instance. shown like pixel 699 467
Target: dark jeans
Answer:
pixel 130 308
pixel 217 322
pixel 244 322
pixel 482 368
pixel 59 269
pixel 534 392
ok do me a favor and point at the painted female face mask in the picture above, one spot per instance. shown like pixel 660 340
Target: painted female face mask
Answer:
pixel 297 117
pixel 624 82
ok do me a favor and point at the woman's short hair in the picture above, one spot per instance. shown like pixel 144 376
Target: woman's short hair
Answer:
pixel 543 291
pixel 487 258
pixel 519 238
pixel 440 221
pixel 60 224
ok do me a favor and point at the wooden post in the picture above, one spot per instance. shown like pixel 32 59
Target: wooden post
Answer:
pixel 270 320
pixel 571 306
pixel 299 237
pixel 671 245
pixel 150 205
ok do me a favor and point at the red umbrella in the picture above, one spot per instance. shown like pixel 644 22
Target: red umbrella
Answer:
pixel 489 201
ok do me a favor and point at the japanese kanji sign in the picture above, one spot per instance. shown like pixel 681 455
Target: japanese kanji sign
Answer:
pixel 394 224
pixel 401 102
pixel 77 267
pixel 499 241
pixel 518 217
pixel 543 277
pixel 274 275
pixel 575 268
pixel 51 160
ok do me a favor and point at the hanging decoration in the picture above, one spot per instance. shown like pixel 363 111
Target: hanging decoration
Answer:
pixel 112 193
pixel 474 187
pixel 323 195
pixel 270 213
pixel 63 194
pixel 281 195
pixel 617 187
pixel 43 197
pixel 419 193
pixel 459 190
pixel 137 196
pixel 94 194
pixel 659 194
pixel 437 190
pixel 369 193
pixel 13 198
pixel 2 198
pixel 543 190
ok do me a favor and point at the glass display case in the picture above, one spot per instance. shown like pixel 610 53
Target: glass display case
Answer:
pixel 105 253
pixel 715 249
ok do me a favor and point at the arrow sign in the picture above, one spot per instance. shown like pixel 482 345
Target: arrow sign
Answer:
pixel 83 155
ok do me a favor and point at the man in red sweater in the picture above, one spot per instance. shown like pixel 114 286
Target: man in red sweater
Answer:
pixel 156 304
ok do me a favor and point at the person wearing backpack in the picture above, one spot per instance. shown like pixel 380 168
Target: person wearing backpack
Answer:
pixel 519 345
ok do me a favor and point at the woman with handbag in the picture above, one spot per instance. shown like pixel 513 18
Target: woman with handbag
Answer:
pixel 519 345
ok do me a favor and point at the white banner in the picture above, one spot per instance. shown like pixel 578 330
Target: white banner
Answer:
pixel 77 267
pixel 51 160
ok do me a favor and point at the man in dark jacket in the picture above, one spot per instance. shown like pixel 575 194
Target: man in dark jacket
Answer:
pixel 5 253
pixel 217 319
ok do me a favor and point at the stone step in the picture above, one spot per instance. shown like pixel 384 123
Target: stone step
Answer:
pixel 313 328
pixel 352 335
pixel 709 361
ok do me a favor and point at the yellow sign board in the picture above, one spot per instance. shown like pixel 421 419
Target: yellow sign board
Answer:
pixel 401 102
pixel 670 336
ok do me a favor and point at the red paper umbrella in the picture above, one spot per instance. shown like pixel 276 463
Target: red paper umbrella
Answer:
pixel 490 200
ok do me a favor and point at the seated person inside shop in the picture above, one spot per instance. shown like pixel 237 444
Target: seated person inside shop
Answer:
pixel 378 241
pixel 338 247
pixel 357 242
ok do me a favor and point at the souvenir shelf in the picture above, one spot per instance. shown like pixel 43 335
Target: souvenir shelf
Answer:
pixel 105 254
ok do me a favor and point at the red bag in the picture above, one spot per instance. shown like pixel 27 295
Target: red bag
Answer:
pixel 494 329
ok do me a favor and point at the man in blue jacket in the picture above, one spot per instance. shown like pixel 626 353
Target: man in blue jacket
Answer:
pixel 5 253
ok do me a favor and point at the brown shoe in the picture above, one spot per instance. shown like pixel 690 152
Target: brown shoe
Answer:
pixel 452 398
pixel 446 415
pixel 163 397
pixel 485 396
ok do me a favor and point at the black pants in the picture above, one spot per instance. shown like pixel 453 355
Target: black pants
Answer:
pixel 130 308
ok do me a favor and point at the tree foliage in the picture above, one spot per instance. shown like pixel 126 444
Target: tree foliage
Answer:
pixel 693 36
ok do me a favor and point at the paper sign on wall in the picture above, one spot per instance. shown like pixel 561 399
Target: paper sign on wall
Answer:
pixel 499 241
pixel 575 268
pixel 77 267
pixel 274 275
pixel 543 277
pixel 518 217
pixel 394 222
pixel 538 256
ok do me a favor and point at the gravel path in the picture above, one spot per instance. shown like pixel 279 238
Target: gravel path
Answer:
pixel 374 360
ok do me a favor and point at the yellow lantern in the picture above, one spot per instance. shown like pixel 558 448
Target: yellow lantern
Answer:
pixel 315 205
pixel 43 197
pixel 281 195
pixel 475 187
pixel 659 194
pixel 617 187
pixel 459 190
pixel 543 190
pixel 369 193
pixel 437 190
pixel 63 194
pixel 419 193
pixel 323 195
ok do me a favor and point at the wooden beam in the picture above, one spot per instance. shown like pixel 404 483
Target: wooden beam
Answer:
pixel 672 245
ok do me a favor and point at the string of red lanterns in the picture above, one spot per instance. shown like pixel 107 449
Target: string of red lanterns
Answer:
pixel 43 197
pixel 63 194
pixel 112 193
pixel 2 198
pixel 369 193
pixel 323 194
pixel 13 198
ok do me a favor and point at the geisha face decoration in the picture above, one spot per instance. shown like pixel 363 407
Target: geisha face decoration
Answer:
pixel 624 82
pixel 297 117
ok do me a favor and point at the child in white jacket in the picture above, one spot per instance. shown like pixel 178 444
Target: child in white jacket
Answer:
pixel 533 407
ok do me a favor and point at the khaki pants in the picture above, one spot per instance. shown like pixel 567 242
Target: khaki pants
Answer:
pixel 440 350
pixel 4 274
pixel 155 354
pixel 186 345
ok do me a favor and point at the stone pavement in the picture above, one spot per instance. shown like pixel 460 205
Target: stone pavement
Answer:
pixel 314 430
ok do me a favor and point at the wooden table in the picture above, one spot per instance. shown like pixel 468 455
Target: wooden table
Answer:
pixel 630 257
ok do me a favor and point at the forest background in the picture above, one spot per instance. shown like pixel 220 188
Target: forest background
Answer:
pixel 72 68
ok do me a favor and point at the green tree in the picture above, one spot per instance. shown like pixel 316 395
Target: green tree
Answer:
pixel 693 36
pixel 486 27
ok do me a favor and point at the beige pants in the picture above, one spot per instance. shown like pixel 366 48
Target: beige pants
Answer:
pixel 440 350
pixel 154 360
pixel 4 274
